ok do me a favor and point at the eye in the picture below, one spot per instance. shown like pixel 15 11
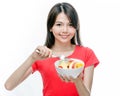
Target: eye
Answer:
pixel 70 24
pixel 58 24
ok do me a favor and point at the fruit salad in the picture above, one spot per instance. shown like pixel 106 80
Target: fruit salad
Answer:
pixel 70 64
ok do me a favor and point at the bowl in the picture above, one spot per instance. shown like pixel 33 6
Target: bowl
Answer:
pixel 69 67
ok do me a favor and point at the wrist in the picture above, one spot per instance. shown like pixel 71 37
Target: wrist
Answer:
pixel 31 59
pixel 78 81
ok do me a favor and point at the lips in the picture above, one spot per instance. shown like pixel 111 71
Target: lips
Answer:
pixel 64 36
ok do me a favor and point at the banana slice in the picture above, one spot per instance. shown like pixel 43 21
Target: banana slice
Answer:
pixel 78 65
pixel 63 64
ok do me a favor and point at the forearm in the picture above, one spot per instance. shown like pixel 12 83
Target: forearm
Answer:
pixel 15 78
pixel 25 69
pixel 82 89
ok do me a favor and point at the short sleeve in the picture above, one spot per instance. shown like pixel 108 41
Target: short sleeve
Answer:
pixel 36 66
pixel 91 58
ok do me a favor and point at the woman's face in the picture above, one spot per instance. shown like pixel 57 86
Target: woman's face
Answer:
pixel 63 30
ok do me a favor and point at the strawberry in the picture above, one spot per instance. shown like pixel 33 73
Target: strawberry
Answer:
pixel 60 66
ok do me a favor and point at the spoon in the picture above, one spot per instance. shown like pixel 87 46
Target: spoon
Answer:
pixel 62 57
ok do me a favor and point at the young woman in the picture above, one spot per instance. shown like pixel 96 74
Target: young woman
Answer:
pixel 62 39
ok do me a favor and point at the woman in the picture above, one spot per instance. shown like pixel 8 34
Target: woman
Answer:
pixel 62 39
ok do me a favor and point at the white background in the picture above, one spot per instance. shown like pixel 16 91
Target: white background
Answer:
pixel 23 28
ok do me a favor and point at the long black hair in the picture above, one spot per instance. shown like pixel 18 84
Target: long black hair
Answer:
pixel 71 13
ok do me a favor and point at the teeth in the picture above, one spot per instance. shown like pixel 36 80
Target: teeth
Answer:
pixel 64 36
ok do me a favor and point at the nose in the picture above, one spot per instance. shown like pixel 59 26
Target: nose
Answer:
pixel 65 29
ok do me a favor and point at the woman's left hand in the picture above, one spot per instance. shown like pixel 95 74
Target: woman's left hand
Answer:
pixel 71 79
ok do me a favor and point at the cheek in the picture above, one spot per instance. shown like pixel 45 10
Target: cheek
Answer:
pixel 55 30
pixel 73 33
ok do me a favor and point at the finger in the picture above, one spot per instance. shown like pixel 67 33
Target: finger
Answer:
pixel 42 52
pixel 61 77
pixel 45 51
pixel 81 75
pixel 66 79
pixel 50 53
pixel 71 79
pixel 37 51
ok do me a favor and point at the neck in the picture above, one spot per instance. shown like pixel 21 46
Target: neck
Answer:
pixel 63 48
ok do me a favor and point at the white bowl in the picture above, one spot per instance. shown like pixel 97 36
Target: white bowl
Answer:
pixel 69 72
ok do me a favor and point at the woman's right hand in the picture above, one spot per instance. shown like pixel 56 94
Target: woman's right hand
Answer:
pixel 41 52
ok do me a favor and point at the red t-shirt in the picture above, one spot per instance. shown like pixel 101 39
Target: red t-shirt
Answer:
pixel 52 84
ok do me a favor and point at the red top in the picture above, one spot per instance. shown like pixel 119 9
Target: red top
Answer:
pixel 52 84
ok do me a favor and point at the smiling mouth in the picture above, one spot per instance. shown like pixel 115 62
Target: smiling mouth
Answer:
pixel 64 36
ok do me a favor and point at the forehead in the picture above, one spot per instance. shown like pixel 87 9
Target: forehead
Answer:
pixel 62 17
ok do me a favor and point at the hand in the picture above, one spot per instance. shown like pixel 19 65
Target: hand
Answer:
pixel 42 52
pixel 71 79
pixel 65 78
pixel 75 80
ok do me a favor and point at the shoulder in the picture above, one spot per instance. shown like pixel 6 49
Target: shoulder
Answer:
pixel 84 51
pixel 83 48
pixel 87 55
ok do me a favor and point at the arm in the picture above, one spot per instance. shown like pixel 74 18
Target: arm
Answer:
pixel 19 75
pixel 84 86
pixel 25 69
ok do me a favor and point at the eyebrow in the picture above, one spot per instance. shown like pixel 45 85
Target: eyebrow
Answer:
pixel 63 22
pixel 58 22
